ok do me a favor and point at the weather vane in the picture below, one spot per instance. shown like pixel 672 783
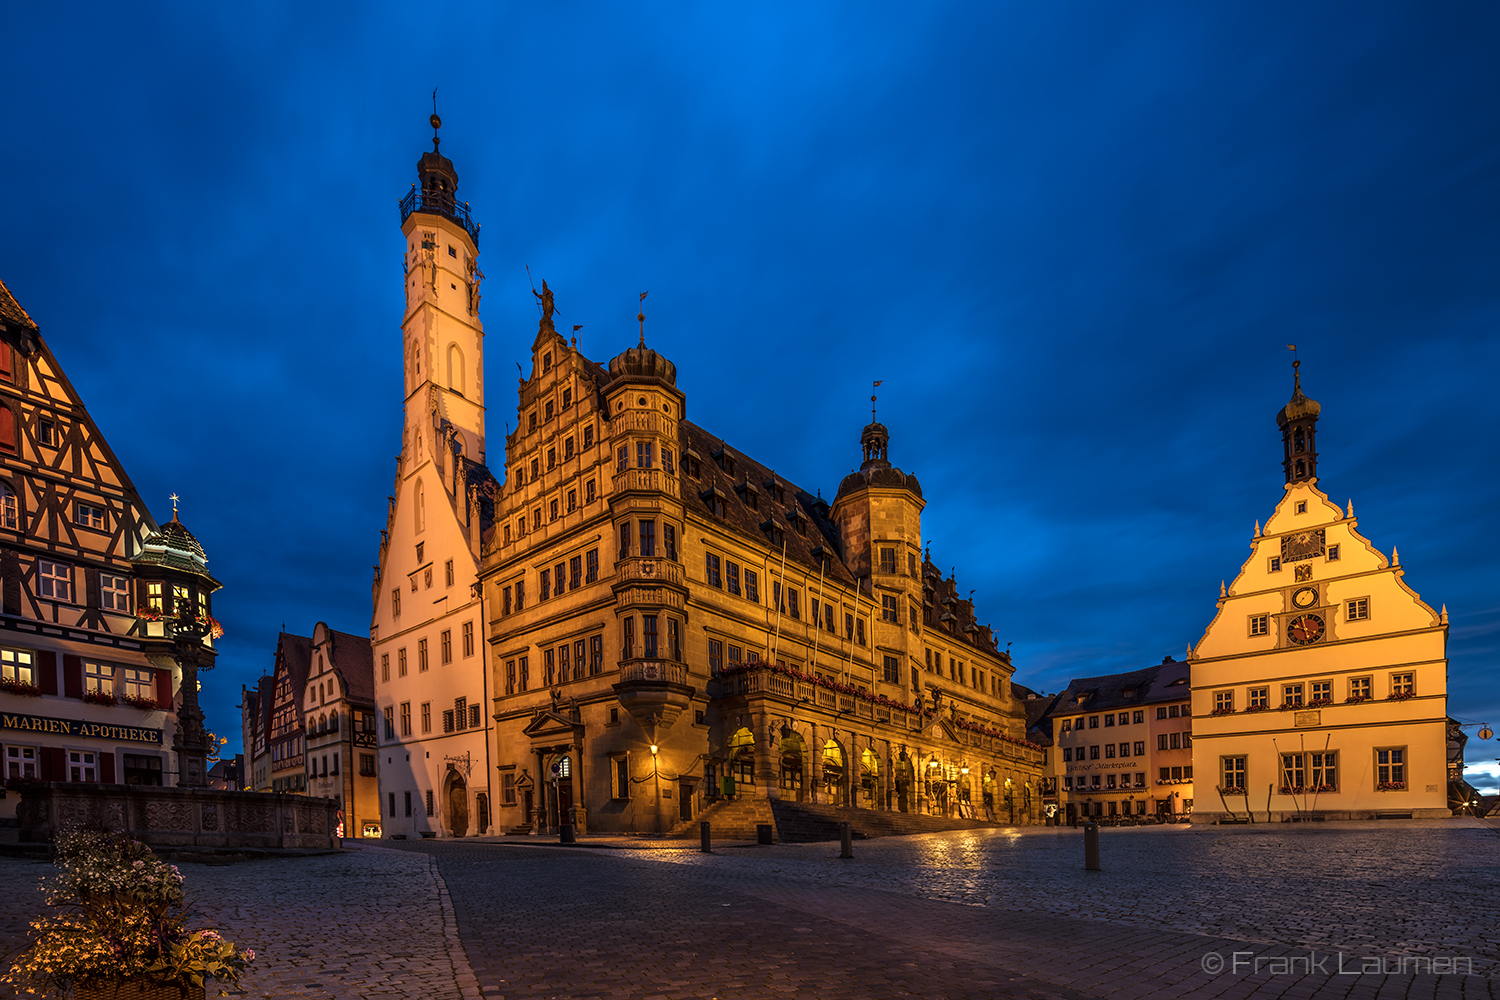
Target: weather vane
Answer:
pixel 174 498
pixel 437 122
pixel 641 317
pixel 877 385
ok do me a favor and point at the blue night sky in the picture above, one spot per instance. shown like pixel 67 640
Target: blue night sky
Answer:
pixel 1073 239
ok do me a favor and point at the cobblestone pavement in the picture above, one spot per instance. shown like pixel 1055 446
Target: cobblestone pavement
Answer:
pixel 794 920
pixel 953 915
pixel 368 923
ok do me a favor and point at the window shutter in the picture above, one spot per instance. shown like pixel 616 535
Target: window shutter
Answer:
pixel 107 767
pixel 164 688
pixel 10 566
pixel 7 372
pixel 46 666
pixel 72 676
pixel 54 764
pixel 7 429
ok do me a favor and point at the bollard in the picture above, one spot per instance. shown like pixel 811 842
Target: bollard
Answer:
pixel 565 834
pixel 846 836
pixel 1091 847
pixel 763 833
pixel 707 847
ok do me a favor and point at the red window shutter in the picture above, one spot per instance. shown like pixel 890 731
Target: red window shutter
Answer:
pixel 6 371
pixel 7 429
pixel 46 667
pixel 72 676
pixel 54 764
pixel 107 767
pixel 164 688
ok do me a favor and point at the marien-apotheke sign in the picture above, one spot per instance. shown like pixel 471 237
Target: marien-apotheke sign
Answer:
pixel 76 727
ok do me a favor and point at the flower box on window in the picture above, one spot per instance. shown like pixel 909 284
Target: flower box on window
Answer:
pixel 144 704
pixel 1320 703
pixel 99 698
pixel 1403 696
pixel 1355 700
pixel 1391 786
pixel 8 686
pixel 1232 791
pixel 1222 711
pixel 1258 708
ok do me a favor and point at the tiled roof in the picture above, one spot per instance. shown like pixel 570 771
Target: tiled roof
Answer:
pixel 294 655
pixel 11 313
pixel 746 521
pixel 354 658
pixel 1164 682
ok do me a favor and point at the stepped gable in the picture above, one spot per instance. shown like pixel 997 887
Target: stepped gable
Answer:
pixel 747 520
pixel 295 652
pixel 950 612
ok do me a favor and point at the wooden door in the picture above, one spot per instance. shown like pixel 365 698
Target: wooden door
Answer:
pixel 458 809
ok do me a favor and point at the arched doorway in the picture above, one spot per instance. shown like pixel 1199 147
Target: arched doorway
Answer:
pixel 869 779
pixel 458 804
pixel 905 782
pixel 793 757
pixel 741 777
pixel 835 786
pixel 562 792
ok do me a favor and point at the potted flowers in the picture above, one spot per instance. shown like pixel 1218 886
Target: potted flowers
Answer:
pixel 119 929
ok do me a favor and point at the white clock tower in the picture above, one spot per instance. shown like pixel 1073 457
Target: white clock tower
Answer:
pixel 430 679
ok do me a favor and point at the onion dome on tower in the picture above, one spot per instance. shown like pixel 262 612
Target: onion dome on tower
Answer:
pixel 1298 421
pixel 876 469
pixel 436 189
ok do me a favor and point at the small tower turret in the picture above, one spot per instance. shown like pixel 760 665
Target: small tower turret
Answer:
pixel 1298 421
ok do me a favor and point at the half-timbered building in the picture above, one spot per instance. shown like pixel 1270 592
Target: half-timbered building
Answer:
pixel 99 606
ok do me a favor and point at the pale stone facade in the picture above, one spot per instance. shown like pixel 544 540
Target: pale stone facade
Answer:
pixel 672 623
pixel 430 682
pixel 1320 687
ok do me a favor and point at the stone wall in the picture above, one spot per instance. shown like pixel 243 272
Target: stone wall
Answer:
pixel 180 817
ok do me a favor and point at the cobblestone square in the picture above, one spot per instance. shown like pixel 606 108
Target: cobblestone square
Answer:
pixel 953 915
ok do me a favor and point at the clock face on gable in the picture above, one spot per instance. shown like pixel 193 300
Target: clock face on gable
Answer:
pixel 1305 629
pixel 1305 598
pixel 1302 545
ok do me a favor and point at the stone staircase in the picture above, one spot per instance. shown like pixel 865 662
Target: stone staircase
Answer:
pixel 729 819
pixel 806 822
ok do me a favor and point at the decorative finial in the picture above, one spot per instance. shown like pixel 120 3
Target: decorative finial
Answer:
pixel 437 122
pixel 1257 529
pixel 1395 557
pixel 1351 506
pixel 1443 617
pixel 641 318
pixel 174 499
pixel 876 385
pixel 1223 591
pixel 1296 364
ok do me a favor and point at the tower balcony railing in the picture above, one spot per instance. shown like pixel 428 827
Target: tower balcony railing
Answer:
pixel 440 203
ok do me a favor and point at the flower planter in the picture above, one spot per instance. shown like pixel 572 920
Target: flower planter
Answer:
pixel 137 989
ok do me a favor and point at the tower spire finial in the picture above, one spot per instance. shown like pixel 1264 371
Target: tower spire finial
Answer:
pixel 876 385
pixel 437 122
pixel 641 318
pixel 174 499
